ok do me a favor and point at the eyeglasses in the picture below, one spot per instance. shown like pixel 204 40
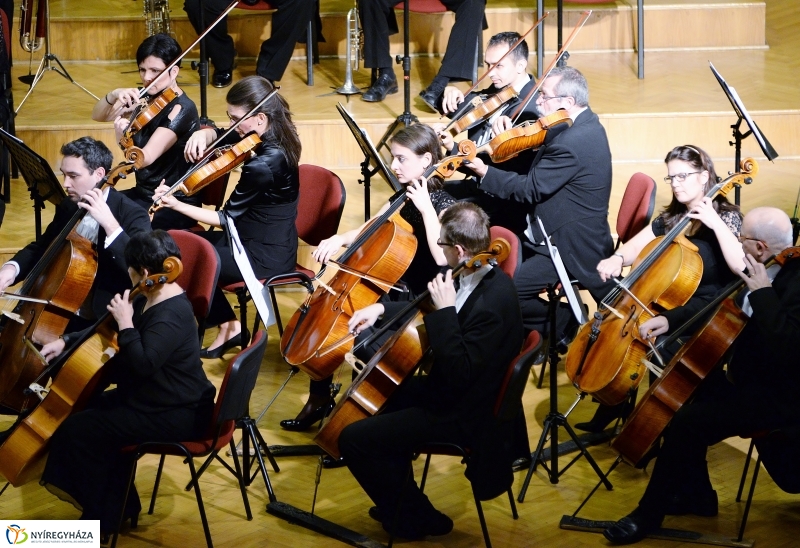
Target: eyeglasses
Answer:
pixel 679 177
pixel 233 119
pixel 440 243
pixel 742 239
pixel 545 98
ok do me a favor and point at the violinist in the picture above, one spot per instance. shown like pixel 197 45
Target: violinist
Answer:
pixel 758 392
pixel 164 137
pixel 716 225
pixel 161 394
pixel 474 332
pixel 263 203
pixel 414 149
pixel 510 71
pixel 111 220
pixel 568 186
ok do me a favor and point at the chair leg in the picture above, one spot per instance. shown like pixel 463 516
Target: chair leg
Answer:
pixel 115 534
pixel 749 499
pixel 3 490
pixel 744 472
pixel 514 513
pixel 275 309
pixel 310 38
pixel 240 480
pixel 155 485
pixel 483 521
pixel 241 296
pixel 425 472
pixel 199 497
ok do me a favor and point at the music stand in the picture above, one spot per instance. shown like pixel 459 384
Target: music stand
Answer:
pixel 42 182
pixel 371 157
pixel 556 419
pixel 738 136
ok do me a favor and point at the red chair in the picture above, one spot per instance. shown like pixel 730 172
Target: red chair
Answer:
pixel 232 404
pixel 435 6
pixel 636 207
pixel 319 211
pixel 312 53
pixel 511 265
pixel 506 408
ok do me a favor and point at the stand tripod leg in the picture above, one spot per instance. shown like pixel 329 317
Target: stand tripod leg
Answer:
pixel 588 456
pixel 603 478
pixel 63 72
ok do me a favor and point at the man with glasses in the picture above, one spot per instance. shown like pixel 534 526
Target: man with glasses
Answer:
pixel 568 185
pixel 757 393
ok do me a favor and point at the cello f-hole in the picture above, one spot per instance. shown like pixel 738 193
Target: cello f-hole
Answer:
pixel 624 331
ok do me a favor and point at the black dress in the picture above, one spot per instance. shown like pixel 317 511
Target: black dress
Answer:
pixel 162 394
pixel 170 166
pixel 264 208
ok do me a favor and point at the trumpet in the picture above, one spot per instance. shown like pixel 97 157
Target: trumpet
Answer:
pixel 156 17
pixel 355 48
pixel 32 43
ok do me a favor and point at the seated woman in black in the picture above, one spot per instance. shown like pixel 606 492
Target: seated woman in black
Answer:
pixel 414 149
pixel 162 392
pixel 263 204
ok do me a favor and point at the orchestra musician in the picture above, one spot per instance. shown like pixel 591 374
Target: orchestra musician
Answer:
pixel 263 204
pixel 474 332
pixel 758 392
pixel 161 394
pixel 163 138
pixel 111 220
pixel 568 186
pixel 510 71
pixel 379 21
pixel 714 231
pixel 414 149
pixel 289 24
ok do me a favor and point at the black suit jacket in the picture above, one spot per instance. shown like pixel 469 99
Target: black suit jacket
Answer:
pixel 568 186
pixel 112 272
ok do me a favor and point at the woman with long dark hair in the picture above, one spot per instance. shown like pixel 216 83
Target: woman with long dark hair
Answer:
pixel 263 204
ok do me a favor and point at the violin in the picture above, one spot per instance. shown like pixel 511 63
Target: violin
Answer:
pixel 80 372
pixel 376 260
pixel 606 359
pixel 687 369
pixel 57 286
pixel 396 360
pixel 527 135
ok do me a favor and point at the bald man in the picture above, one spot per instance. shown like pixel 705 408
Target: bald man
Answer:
pixel 757 393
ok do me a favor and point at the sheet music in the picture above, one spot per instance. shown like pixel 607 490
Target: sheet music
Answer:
pixel 566 284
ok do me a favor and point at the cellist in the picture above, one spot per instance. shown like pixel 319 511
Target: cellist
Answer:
pixel 758 393
pixel 504 72
pixel 163 138
pixel 716 225
pixel 111 221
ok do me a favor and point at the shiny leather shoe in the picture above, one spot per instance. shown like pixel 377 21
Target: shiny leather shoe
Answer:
pixel 705 505
pixel 386 84
pixel 330 462
pixel 301 425
pixel 222 78
pixel 432 96
pixel 630 529
pixel 375 513
pixel 219 351
pixel 604 416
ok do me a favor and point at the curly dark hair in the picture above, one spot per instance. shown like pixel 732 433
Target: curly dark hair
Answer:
pixel 93 153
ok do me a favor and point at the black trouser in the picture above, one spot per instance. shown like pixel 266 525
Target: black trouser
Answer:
pixel 379 21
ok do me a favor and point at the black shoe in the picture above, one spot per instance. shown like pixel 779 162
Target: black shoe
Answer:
pixel 705 505
pixel 432 95
pixel 218 352
pixel 386 84
pixel 604 416
pixel 300 425
pixel 375 514
pixel 330 462
pixel 632 528
pixel 222 78
pixel 522 463
pixel 432 524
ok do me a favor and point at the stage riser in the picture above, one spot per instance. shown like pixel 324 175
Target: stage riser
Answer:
pixel 633 138
pixel 716 26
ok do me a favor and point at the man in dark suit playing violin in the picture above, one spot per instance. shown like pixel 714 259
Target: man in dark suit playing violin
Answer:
pixel 111 220
pixel 474 332
pixel 509 71
pixel 745 400
pixel 568 185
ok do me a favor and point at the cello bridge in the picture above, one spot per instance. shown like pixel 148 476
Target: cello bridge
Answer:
pixel 39 390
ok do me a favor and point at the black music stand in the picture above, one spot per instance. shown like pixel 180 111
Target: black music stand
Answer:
pixel 406 118
pixel 42 182
pixel 738 136
pixel 371 158
pixel 555 418
pixel 201 67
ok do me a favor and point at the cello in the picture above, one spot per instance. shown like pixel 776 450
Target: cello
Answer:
pixel 375 261
pixel 393 363
pixel 80 371
pixel 59 284
pixel 606 359
pixel 687 369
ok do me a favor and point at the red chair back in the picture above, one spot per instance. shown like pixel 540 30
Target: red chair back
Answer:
pixel 200 270
pixel 509 398
pixel 511 265
pixel 320 205
pixel 636 207
pixel 423 6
